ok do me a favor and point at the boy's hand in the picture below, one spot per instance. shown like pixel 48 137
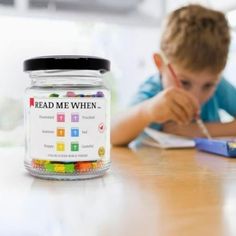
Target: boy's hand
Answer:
pixel 173 104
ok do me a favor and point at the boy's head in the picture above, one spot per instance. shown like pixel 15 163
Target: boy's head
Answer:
pixel 196 42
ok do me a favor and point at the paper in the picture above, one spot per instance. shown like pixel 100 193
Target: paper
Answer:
pixel 163 140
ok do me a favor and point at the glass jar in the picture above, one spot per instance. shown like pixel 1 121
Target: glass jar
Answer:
pixel 67 117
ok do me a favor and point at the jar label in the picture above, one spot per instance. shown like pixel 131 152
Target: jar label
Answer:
pixel 68 129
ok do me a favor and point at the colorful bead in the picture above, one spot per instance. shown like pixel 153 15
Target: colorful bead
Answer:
pixel 94 165
pixel 49 167
pixel 83 166
pixel 54 95
pixel 99 94
pixel 59 168
pixel 70 94
pixel 69 168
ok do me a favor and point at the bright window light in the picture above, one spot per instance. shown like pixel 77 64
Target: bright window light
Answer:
pixel 231 15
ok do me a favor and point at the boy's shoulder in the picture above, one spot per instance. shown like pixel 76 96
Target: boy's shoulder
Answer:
pixel 148 89
pixel 224 86
pixel 152 84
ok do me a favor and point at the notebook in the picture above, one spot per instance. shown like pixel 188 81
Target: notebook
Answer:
pixel 163 140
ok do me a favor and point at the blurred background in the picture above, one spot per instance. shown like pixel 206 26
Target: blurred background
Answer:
pixel 124 31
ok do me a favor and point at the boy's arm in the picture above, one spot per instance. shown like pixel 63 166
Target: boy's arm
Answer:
pixel 172 104
pixel 129 124
pixel 192 130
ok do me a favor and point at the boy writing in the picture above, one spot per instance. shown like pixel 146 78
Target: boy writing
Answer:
pixel 196 42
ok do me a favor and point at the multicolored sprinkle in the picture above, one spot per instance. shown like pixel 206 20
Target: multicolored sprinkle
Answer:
pixel 62 167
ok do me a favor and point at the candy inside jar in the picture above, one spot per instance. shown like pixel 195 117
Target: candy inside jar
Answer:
pixel 67 114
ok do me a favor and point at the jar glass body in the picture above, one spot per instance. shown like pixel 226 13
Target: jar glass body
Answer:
pixel 67 122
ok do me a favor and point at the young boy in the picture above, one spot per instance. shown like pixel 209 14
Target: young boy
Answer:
pixel 196 42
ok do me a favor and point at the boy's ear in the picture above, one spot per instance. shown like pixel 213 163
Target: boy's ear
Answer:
pixel 158 61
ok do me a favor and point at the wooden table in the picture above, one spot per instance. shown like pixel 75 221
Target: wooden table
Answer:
pixel 147 192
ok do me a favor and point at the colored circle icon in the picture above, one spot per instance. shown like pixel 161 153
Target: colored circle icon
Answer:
pixel 101 152
pixel 101 127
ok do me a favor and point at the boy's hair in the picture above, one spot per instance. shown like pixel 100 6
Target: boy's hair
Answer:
pixel 197 38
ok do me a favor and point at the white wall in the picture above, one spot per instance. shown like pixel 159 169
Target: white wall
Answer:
pixel 129 49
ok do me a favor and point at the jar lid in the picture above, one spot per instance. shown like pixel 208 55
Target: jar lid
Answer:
pixel 67 62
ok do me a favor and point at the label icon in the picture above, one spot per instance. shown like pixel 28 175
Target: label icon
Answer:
pixel 60 117
pixel 101 127
pixel 74 117
pixel 60 132
pixel 60 147
pixel 101 151
pixel 74 132
pixel 74 146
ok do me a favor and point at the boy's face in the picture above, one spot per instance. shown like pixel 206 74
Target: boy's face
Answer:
pixel 201 84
